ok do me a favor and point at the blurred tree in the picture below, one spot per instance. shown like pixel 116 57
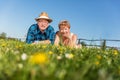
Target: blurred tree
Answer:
pixel 3 35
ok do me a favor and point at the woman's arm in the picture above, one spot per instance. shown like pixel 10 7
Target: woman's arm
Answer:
pixel 72 41
pixel 57 40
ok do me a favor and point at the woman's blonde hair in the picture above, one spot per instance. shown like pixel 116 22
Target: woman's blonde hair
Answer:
pixel 64 23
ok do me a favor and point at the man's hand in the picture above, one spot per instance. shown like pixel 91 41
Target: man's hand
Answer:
pixel 47 41
pixel 42 42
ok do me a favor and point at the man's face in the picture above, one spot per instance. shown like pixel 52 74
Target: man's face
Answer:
pixel 43 24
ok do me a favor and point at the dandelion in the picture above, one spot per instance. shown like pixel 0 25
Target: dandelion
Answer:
pixel 44 46
pixel 97 62
pixel 20 46
pixel 69 56
pixel 3 45
pixel 39 58
pixel 98 56
pixel 61 49
pixel 115 52
pixel 17 47
pixel 50 52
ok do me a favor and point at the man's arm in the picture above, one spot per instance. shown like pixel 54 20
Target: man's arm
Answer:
pixel 51 35
pixel 30 35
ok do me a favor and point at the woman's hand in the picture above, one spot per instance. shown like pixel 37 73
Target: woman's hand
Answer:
pixel 67 35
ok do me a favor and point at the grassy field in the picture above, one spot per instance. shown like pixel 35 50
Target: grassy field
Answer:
pixel 21 61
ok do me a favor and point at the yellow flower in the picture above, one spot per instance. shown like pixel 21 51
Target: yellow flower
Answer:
pixel 3 45
pixel 61 48
pixel 19 46
pixel 97 62
pixel 115 52
pixel 50 52
pixel 39 58
pixel 44 46
pixel 98 56
pixel 69 56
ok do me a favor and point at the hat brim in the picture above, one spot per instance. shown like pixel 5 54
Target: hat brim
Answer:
pixel 48 19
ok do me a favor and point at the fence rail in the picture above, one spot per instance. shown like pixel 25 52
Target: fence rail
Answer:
pixel 103 42
pixel 98 39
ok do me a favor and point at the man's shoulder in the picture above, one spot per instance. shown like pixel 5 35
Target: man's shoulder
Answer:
pixel 33 27
pixel 50 27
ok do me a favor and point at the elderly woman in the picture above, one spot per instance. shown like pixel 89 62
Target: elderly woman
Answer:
pixel 64 36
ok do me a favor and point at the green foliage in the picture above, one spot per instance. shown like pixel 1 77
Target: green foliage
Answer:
pixel 20 61
pixel 3 35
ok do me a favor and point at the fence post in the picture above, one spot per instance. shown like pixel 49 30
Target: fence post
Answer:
pixel 78 41
pixel 103 45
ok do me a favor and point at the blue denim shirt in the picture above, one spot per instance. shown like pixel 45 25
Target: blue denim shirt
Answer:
pixel 34 34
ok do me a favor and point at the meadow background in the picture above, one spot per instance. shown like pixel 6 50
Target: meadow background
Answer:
pixel 89 19
pixel 21 61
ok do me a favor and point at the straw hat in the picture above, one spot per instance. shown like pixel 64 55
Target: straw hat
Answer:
pixel 44 15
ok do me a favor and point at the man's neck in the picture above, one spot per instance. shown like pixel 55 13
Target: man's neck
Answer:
pixel 42 31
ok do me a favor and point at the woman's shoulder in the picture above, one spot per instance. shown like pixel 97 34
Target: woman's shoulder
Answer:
pixel 57 33
pixel 73 35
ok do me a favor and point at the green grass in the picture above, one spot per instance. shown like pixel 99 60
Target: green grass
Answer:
pixel 21 61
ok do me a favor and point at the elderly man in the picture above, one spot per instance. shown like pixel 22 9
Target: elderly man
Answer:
pixel 41 32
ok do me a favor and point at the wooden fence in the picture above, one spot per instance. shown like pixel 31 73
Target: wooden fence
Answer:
pixel 102 41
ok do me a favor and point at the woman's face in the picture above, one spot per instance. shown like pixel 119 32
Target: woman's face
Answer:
pixel 43 24
pixel 64 30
